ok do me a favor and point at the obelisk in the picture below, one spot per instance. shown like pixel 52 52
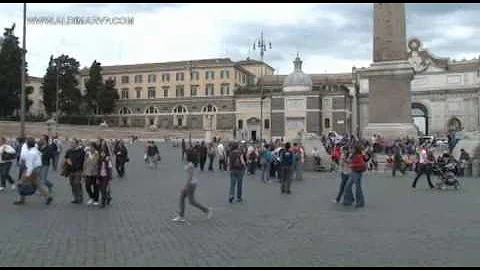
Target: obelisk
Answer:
pixel 389 75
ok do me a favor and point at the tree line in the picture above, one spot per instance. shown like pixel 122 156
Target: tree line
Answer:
pixel 60 81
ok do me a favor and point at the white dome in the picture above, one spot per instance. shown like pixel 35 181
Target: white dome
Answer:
pixel 297 80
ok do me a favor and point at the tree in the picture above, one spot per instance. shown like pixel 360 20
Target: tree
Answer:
pixel 11 74
pixel 49 88
pixel 94 86
pixel 65 69
pixel 107 97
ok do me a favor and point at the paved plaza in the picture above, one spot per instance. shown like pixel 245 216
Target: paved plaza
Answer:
pixel 399 226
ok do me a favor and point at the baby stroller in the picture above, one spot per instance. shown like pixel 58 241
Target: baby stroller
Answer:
pixel 446 175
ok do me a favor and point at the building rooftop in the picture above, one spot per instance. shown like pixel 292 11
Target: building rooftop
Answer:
pixel 164 66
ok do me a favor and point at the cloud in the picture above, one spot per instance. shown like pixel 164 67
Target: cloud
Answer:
pixel 329 37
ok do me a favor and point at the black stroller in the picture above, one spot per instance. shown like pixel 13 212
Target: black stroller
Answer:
pixel 446 175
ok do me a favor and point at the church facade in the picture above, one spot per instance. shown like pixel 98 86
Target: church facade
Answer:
pixel 445 93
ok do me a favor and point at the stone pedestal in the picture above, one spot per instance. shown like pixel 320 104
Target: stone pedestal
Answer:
pixel 390 110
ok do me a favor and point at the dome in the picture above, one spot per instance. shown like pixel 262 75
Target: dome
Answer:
pixel 297 80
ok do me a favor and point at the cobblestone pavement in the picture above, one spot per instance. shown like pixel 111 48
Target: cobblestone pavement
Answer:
pixel 398 226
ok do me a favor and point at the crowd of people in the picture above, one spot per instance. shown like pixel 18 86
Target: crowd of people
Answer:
pixel 89 165
pixel 85 162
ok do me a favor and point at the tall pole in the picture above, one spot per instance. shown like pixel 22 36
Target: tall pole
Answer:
pixel 57 92
pixel 22 82
pixel 261 44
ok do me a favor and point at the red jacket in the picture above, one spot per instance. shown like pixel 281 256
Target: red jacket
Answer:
pixel 358 163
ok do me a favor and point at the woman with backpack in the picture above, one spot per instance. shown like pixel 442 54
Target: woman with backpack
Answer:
pixel 358 166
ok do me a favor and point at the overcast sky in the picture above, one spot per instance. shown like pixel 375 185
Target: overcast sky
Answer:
pixel 330 37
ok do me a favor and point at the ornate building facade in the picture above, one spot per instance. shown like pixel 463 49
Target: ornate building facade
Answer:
pixel 445 93
pixel 298 102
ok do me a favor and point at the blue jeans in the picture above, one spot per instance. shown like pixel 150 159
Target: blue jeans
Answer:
pixel 5 173
pixel 355 178
pixel 44 177
pixel 266 171
pixel 341 191
pixel 236 179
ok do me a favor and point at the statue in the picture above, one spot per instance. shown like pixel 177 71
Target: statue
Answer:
pixel 9 31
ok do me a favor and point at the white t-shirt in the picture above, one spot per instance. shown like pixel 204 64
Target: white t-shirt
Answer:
pixel 7 149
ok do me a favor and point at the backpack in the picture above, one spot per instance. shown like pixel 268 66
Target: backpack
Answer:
pixel 286 158
pixel 235 161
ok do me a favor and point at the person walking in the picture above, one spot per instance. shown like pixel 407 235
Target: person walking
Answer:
pixel 345 172
pixel 105 177
pixel 47 155
pixel 74 159
pixel 265 161
pixel 32 160
pixel 188 191
pixel 211 155
pixel 121 157
pixel 7 156
pixel 222 157
pixel 286 165
pixel 426 159
pixel 90 173
pixel 203 155
pixel 299 159
pixel 236 163
pixel 358 166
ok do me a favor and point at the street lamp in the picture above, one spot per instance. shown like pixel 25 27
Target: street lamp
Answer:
pixel 261 45
pixel 189 67
pixel 22 79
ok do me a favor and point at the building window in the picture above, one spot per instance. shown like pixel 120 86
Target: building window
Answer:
pixel 240 124
pixel 151 92
pixel 165 91
pixel 326 123
pixel 152 78
pixel 193 90
pixel 125 79
pixel 194 75
pixel 166 77
pixel 244 78
pixel 209 75
pixel 124 93
pixel 224 74
pixel 151 110
pixel 138 78
pixel 112 78
pixel 225 89
pixel 266 124
pixel 138 91
pixel 179 76
pixel 180 91
pixel 209 89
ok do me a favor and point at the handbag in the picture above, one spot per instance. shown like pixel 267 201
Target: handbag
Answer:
pixel 26 188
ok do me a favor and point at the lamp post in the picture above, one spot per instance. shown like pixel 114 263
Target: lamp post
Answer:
pixel 22 80
pixel 261 45
pixel 190 70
